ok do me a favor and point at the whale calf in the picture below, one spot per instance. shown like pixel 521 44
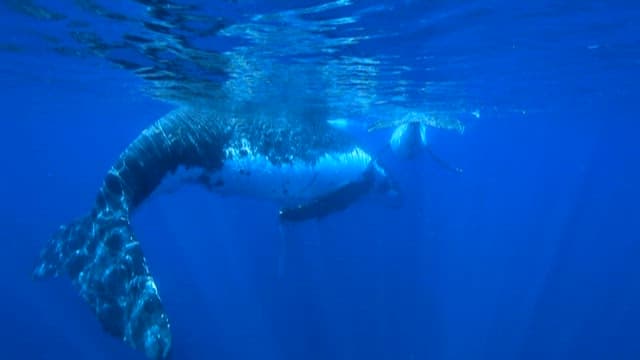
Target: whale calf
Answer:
pixel 306 166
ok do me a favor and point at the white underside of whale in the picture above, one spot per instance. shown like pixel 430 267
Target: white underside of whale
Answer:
pixel 245 173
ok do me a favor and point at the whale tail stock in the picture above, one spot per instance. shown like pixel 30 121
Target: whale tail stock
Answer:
pixel 104 260
pixel 100 252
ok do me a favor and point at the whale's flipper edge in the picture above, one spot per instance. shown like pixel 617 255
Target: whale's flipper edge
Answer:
pixel 335 201
pixel 105 262
pixel 441 162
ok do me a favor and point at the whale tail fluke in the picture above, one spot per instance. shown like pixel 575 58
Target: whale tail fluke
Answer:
pixel 105 263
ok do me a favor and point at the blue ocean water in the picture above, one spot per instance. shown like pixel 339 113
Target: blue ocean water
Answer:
pixel 531 253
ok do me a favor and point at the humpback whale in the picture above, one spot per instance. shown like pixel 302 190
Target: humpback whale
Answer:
pixel 408 139
pixel 409 136
pixel 309 168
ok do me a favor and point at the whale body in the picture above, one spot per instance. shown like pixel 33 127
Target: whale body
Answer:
pixel 307 167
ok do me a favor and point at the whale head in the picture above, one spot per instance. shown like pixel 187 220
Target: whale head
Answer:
pixel 408 139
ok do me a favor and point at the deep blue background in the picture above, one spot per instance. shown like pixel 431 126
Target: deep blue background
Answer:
pixel 532 253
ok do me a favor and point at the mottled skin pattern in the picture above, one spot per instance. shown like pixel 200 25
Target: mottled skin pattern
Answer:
pixel 100 252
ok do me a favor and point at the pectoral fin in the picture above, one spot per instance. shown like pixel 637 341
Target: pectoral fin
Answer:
pixel 335 201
